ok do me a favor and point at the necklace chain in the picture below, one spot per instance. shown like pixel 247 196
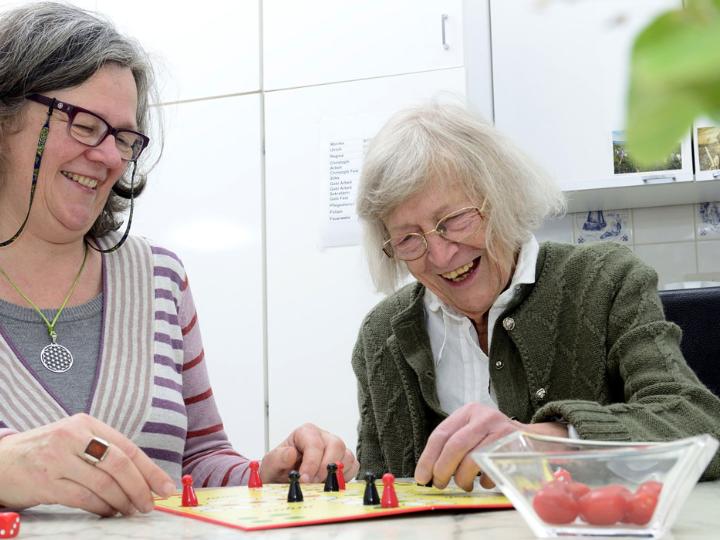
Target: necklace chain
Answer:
pixel 50 324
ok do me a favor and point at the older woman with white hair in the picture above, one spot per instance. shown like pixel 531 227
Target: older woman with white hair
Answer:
pixel 499 333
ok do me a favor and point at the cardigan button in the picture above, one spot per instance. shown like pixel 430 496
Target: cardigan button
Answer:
pixel 499 364
pixel 508 323
pixel 540 393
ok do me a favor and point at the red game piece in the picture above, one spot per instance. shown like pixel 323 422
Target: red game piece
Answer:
pixel 255 481
pixel 9 524
pixel 340 475
pixel 389 497
pixel 188 493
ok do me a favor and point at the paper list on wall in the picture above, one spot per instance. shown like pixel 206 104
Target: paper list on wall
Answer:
pixel 345 158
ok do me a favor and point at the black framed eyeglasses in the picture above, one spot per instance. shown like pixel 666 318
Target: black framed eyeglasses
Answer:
pixel 455 227
pixel 91 129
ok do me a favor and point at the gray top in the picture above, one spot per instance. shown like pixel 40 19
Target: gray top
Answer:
pixel 79 330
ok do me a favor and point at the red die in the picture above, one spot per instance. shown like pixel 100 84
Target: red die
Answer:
pixel 9 524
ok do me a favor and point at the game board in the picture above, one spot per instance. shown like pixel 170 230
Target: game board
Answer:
pixel 267 507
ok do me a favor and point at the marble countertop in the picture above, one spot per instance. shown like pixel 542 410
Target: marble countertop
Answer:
pixel 698 520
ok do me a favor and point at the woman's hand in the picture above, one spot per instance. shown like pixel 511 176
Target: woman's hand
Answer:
pixel 308 449
pixel 46 466
pixel 448 449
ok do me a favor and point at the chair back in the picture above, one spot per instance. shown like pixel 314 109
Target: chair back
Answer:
pixel 697 313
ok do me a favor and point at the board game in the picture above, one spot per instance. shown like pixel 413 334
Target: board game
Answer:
pixel 267 507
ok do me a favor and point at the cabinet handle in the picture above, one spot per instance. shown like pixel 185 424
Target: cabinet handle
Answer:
pixel 659 179
pixel 443 19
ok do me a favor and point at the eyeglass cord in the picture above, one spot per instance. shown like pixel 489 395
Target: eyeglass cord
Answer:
pixel 42 140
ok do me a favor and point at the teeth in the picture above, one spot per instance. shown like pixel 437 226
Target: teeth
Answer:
pixel 82 180
pixel 458 272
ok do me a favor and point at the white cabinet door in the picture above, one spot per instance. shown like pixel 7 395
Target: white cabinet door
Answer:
pixel 317 297
pixel 320 41
pixel 203 201
pixel 560 72
pixel 200 49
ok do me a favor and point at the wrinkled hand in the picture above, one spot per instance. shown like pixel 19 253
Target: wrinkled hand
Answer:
pixel 448 449
pixel 308 449
pixel 44 466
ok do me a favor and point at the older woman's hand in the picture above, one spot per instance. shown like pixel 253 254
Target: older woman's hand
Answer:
pixel 308 449
pixel 448 449
pixel 45 466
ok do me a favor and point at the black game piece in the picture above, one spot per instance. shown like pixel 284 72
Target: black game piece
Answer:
pixel 331 482
pixel 371 496
pixel 294 492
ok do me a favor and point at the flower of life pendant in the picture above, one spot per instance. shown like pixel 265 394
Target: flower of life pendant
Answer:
pixel 56 358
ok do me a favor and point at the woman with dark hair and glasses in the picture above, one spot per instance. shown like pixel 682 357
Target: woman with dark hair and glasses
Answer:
pixel 104 393
pixel 499 333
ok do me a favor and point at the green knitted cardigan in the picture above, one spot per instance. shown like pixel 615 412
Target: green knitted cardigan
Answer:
pixel 587 343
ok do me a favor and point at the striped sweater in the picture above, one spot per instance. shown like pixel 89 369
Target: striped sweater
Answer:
pixel 152 383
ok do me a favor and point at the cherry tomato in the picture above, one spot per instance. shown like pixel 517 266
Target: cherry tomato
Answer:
pixel 577 489
pixel 554 504
pixel 562 475
pixel 651 486
pixel 640 508
pixel 605 505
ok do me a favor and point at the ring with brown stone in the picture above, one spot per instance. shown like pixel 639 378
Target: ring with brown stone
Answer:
pixel 96 450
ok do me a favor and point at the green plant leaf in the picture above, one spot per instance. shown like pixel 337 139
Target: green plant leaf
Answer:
pixel 674 78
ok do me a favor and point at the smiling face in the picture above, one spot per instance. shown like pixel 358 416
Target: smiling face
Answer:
pixel 461 274
pixel 75 180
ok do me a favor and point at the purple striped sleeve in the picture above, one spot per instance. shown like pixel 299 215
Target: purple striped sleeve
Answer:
pixel 167 361
pixel 208 456
pixel 156 250
pixel 164 429
pixel 171 274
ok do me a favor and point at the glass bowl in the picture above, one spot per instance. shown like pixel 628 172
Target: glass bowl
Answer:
pixel 596 488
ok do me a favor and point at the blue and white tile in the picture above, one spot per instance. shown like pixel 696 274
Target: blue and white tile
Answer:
pixel 603 226
pixel 673 261
pixel 663 224
pixel 708 220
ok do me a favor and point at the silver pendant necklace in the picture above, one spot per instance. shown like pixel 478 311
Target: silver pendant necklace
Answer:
pixel 54 357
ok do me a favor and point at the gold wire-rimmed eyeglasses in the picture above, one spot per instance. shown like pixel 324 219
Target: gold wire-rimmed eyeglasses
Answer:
pixel 455 227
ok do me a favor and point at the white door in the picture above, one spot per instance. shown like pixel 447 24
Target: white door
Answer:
pixel 321 41
pixel 560 72
pixel 318 295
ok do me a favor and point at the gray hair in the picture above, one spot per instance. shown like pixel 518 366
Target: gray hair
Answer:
pixel 446 143
pixel 50 46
